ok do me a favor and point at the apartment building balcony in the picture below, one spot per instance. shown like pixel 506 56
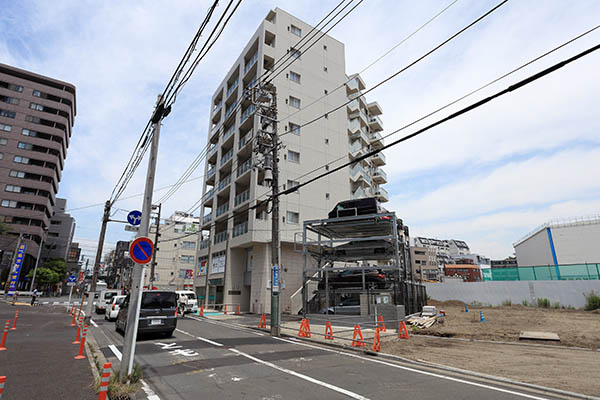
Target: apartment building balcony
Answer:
pixel 245 166
pixel 222 209
pixel 354 128
pixel 212 149
pixel 358 174
pixel 378 159
pixel 353 107
pixel 359 193
pixel 240 229
pixel 224 182
pixel 375 124
pixel 376 140
pixel 207 218
pixel 355 84
pixel 230 109
pixel 226 157
pixel 220 237
pixel 381 194
pixel 228 132
pixel 248 85
pixel 241 198
pixel 204 244
pixel 208 195
pixel 356 149
pixel 247 112
pixel 244 140
pixel 217 106
pixel 232 86
pixel 378 175
pixel 374 108
pixel 214 130
pixel 250 62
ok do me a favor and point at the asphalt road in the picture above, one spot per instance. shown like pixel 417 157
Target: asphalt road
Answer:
pixel 218 360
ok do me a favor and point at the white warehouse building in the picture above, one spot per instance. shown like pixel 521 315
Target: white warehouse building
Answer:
pixel 575 241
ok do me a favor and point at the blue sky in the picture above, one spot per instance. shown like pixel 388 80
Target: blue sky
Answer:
pixel 488 177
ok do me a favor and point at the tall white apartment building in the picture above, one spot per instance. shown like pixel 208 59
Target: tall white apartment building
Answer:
pixel 176 256
pixel 234 249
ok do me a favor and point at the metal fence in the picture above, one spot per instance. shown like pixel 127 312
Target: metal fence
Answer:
pixel 545 273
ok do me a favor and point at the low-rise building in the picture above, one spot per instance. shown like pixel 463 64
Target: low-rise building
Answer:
pixel 468 272
pixel 424 264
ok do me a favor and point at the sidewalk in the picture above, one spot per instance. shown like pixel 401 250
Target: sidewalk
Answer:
pixel 38 362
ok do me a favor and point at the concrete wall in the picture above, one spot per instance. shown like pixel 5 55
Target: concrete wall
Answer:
pixel 535 250
pixel 577 244
pixel 568 293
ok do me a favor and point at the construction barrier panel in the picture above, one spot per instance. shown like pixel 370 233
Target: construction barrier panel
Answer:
pixel 328 331
pixel 380 323
pixel 263 321
pixel 104 380
pixel 403 333
pixel 304 330
pixel 3 343
pixel 357 337
pixel 376 341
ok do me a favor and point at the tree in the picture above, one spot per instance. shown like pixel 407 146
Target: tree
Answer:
pixel 57 265
pixel 45 276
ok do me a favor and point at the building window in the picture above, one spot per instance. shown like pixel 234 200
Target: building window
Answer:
pixel 9 100
pixel 186 259
pixel 325 69
pixel 326 196
pixel 1 156
pixel 21 160
pixel 295 53
pixel 294 102
pixel 294 77
pixel 37 93
pixel 295 30
pixel 9 203
pixel 5 128
pixel 12 86
pixel 25 146
pixel 37 107
pixel 325 91
pixel 12 188
pixel 55 222
pixel 7 114
pixel 326 141
pixel 188 245
pixel 293 217
pixel 293 156
pixel 294 128
pixel 31 118
pixel 325 47
pixel 17 174
pixel 3 141
pixel 292 184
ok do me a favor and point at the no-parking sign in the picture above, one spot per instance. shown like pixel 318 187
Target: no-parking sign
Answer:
pixel 141 250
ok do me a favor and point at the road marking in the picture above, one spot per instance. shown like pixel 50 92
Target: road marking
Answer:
pixel 229 325
pixel 200 338
pixel 149 392
pixel 415 370
pixel 93 323
pixel 301 376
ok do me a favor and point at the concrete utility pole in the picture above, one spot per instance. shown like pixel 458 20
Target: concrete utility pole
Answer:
pixel 37 262
pixel 137 280
pixel 92 291
pixel 264 98
pixel 156 236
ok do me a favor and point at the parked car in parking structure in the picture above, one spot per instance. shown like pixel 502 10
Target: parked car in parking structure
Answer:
pixel 158 313
pixel 112 310
pixel 353 279
pixel 348 306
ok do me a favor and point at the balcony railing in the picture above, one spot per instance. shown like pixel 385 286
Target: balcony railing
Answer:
pixel 207 218
pixel 222 209
pixel 229 132
pixel 215 128
pixel 248 86
pixel 240 229
pixel 232 87
pixel 359 193
pixel 245 139
pixel 251 62
pixel 379 172
pixel 226 157
pixel 242 197
pixel 248 111
pixel 224 182
pixel 204 244
pixel 220 237
pixel 246 165
pixel 358 169
pixel 230 109
pixel 356 146
pixel 211 172
pixel 217 107
pixel 212 150
pixel 208 194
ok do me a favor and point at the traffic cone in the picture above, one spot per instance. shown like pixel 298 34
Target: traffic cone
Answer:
pixel 238 310
pixel 104 381
pixel 380 323
pixel 403 334
pixel 357 334
pixel 14 327
pixel 202 311
pixel 376 341
pixel 78 332
pixel 225 309
pixel 73 322
pixel 263 321
pixel 2 381
pixel 466 307
pixel 328 331
pixel 6 325
pixel 82 344
pixel 481 317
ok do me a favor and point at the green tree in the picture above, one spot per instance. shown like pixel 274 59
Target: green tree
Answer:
pixel 57 265
pixel 45 276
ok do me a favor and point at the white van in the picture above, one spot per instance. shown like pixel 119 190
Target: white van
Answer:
pixel 186 301
pixel 105 299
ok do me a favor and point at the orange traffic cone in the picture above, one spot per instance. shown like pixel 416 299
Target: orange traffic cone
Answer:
pixel 225 309
pixel 357 333
pixel 238 310
pixel 263 321
pixel 380 323
pixel 202 311
pixel 328 331
pixel 376 341
pixel 403 334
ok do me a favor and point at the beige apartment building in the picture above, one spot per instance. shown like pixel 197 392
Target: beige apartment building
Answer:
pixel 424 264
pixel 176 255
pixel 233 258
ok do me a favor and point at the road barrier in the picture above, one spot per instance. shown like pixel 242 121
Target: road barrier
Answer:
pixel 304 330
pixel 6 325
pixel 328 331
pixel 14 327
pixel 202 311
pixel 73 322
pixel 104 380
pixel 80 322
pixel 403 332
pixel 263 321
pixel 376 341
pixel 238 310
pixel 2 381
pixel 357 334
pixel 380 323
pixel 82 344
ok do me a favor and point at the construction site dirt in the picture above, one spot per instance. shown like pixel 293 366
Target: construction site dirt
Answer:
pixel 493 347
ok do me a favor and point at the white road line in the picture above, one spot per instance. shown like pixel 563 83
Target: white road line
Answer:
pixel 230 325
pixel 415 370
pixel 149 392
pixel 200 338
pixel 302 376
pixel 93 323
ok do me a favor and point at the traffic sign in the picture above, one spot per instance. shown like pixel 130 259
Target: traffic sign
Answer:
pixel 130 228
pixel 141 250
pixel 275 280
pixel 72 278
pixel 134 217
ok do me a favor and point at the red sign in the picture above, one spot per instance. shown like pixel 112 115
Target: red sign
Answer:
pixel 141 250
pixel 80 276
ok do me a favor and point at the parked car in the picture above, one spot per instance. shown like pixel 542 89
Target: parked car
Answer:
pixel 105 299
pixel 349 306
pixel 113 308
pixel 354 207
pixel 353 279
pixel 362 250
pixel 158 313
pixel 187 301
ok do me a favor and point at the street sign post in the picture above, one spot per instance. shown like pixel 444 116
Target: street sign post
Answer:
pixel 134 217
pixel 141 250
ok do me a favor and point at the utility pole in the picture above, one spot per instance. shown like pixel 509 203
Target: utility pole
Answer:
pixel 156 236
pixel 137 279
pixel 264 98
pixel 92 291
pixel 37 262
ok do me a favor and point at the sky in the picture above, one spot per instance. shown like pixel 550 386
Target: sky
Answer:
pixel 488 177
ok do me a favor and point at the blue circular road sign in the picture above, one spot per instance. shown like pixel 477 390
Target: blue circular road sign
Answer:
pixel 134 217
pixel 141 250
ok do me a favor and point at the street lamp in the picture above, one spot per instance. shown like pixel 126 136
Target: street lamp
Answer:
pixel 37 261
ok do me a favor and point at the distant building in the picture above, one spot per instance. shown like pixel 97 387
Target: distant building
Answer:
pixel 424 263
pixel 457 248
pixel 474 259
pixel 508 262
pixel 73 256
pixel 176 255
pixel 575 241
pixel 447 250
pixel 468 272
pixel 60 233
pixel 122 264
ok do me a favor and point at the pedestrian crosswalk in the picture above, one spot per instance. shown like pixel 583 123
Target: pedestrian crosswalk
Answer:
pixel 63 303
